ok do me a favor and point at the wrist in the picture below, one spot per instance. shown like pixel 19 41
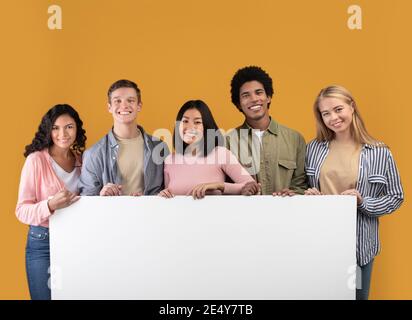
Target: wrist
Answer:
pixel 50 205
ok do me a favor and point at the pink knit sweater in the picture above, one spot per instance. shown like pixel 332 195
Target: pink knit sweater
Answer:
pixel 184 172
pixel 38 182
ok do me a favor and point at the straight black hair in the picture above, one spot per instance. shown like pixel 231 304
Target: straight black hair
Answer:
pixel 212 137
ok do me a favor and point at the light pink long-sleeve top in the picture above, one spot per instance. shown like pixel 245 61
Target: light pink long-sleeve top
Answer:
pixel 183 172
pixel 38 182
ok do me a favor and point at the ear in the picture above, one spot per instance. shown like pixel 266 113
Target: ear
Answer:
pixel 139 106
pixel 109 107
pixel 269 99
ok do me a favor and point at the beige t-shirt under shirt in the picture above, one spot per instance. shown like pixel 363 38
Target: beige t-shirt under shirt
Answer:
pixel 339 171
pixel 130 164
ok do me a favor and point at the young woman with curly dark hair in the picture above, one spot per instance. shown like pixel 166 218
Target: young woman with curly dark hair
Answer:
pixel 49 181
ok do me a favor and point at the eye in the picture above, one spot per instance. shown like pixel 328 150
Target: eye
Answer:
pixel 198 122
pixel 54 128
pixel 325 114
pixel 339 109
pixel 70 126
pixel 185 121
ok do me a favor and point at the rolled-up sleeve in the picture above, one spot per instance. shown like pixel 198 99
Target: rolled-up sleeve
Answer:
pixel 392 196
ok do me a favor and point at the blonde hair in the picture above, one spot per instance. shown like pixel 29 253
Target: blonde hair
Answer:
pixel 358 129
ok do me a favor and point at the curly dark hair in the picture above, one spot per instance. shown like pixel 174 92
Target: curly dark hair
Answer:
pixel 42 138
pixel 246 74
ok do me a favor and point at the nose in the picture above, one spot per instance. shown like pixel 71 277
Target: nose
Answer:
pixel 188 126
pixel 63 132
pixel 333 116
pixel 254 97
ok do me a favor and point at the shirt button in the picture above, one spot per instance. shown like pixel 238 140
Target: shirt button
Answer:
pixel 114 158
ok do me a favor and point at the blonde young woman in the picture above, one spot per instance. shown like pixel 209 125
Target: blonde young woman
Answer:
pixel 344 159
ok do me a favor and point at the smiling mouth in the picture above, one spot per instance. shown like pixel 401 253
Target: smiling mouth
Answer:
pixel 191 135
pixel 337 124
pixel 255 107
pixel 124 113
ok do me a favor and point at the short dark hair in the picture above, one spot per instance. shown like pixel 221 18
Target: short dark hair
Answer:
pixel 123 84
pixel 246 74
pixel 42 139
pixel 209 123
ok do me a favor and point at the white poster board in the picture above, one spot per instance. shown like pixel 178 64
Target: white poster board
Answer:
pixel 220 247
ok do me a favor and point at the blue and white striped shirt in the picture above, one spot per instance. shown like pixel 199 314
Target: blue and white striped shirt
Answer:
pixel 378 183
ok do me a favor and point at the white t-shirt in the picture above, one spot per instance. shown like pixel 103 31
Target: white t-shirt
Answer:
pixel 70 179
pixel 259 134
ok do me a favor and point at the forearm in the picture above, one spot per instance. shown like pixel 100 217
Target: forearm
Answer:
pixel 33 213
pixel 380 206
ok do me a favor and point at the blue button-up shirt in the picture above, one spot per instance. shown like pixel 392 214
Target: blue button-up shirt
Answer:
pixel 100 165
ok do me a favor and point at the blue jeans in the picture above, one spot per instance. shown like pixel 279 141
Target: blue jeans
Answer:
pixel 38 263
pixel 366 272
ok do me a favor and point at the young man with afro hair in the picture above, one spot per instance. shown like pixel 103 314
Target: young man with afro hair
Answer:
pixel 272 153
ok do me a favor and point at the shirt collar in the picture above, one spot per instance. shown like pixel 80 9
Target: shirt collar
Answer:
pixel 113 142
pixel 273 126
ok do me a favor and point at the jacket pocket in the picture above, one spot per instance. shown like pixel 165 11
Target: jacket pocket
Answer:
pixel 286 169
pixel 288 164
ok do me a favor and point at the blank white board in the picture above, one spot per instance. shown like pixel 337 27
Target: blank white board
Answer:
pixel 220 247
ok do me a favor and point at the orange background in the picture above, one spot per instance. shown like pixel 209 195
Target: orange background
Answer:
pixel 184 49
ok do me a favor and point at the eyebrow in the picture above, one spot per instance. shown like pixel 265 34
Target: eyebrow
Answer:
pixel 340 105
pixel 197 118
pixel 129 97
pixel 256 90
pixel 69 124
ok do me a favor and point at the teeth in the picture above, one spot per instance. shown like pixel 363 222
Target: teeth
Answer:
pixel 255 107
pixel 125 113
pixel 190 135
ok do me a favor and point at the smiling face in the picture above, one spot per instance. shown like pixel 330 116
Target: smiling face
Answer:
pixel 191 126
pixel 124 105
pixel 254 102
pixel 336 114
pixel 64 131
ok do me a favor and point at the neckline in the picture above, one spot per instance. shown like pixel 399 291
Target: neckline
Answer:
pixel 55 162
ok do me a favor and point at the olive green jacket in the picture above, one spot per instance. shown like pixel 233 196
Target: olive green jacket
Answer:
pixel 277 163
